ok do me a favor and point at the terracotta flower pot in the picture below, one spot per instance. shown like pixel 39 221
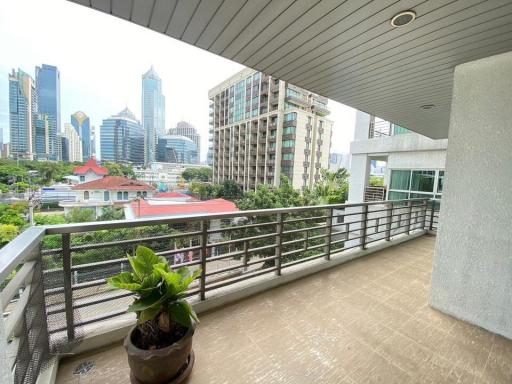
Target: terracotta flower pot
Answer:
pixel 165 365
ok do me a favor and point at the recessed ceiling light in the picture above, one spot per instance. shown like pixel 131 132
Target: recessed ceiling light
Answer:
pixel 403 18
pixel 427 106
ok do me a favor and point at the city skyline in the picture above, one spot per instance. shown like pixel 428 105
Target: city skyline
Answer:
pixel 100 87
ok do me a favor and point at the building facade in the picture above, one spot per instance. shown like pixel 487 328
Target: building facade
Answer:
pixel 176 149
pixel 188 130
pixel 22 108
pixel 262 128
pixel 43 139
pixel 414 164
pixel 82 124
pixel 71 144
pixel 166 176
pixel 153 113
pixel 122 139
pixel 48 103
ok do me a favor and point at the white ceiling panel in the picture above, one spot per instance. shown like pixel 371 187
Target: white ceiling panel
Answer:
pixel 342 49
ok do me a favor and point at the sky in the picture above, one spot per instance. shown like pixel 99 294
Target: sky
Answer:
pixel 102 58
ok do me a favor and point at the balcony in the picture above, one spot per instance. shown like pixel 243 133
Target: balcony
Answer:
pixel 290 123
pixel 354 310
pixel 298 101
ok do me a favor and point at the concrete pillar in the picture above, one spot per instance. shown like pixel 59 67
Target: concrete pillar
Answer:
pixel 472 275
pixel 360 167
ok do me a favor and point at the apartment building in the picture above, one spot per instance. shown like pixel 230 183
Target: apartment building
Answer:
pixel 262 127
pixel 415 164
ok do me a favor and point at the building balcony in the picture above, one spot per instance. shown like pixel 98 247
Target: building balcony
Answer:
pixel 320 110
pixel 290 123
pixel 298 101
pixel 290 136
pixel 287 163
pixel 306 164
pixel 354 310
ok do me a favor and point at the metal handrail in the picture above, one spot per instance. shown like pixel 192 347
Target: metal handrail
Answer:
pixel 268 241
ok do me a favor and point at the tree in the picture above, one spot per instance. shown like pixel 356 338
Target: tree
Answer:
pixel 230 190
pixel 376 181
pixel 111 213
pixel 197 174
pixel 77 215
pixel 49 219
pixel 115 169
pixel 332 187
pixel 7 233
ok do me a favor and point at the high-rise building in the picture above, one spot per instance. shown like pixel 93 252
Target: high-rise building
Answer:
pixel 263 128
pixel 82 125
pixel 22 107
pixel 48 103
pixel 93 141
pixel 122 139
pixel 153 113
pixel 188 130
pixel 176 149
pixel 71 144
pixel 43 124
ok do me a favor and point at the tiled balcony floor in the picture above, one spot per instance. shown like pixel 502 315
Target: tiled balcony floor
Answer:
pixel 366 321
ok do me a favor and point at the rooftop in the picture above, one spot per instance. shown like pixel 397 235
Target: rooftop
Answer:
pixel 144 208
pixel 365 321
pixel 114 183
pixel 91 165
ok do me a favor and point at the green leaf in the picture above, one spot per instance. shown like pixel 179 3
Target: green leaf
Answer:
pixel 152 281
pixel 124 281
pixel 135 268
pixel 149 314
pixel 173 281
pixel 144 261
pixel 155 298
pixel 180 313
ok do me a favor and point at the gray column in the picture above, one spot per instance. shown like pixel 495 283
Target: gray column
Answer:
pixel 472 275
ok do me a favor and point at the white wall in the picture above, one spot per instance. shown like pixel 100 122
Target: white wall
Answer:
pixel 472 275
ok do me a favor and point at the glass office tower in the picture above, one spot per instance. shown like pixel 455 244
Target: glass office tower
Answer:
pixel 48 103
pixel 153 112
pixel 82 124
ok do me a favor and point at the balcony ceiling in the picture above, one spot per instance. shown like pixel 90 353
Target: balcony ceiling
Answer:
pixel 344 50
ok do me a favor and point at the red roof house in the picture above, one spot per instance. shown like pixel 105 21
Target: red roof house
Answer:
pixel 143 208
pixel 92 166
pixel 114 183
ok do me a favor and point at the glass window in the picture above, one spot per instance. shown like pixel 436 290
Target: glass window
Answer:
pixel 82 178
pixel 106 196
pixel 440 182
pixel 288 130
pixel 422 181
pixel 400 180
pixel 420 195
pixel 397 195
pixel 86 195
pixel 125 195
pixel 119 195
pixel 398 130
pixel 287 156
pixel 290 116
pixel 288 143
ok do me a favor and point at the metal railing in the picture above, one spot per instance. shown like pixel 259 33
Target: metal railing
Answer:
pixel 62 270
pixel 374 193
pixel 380 129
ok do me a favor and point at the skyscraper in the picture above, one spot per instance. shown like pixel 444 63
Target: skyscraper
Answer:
pixel 176 149
pixel 71 144
pixel 188 130
pixel 43 124
pixel 22 107
pixel 122 139
pixel 263 128
pixel 48 103
pixel 82 125
pixel 153 113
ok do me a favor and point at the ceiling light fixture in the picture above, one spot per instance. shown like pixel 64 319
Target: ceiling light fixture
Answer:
pixel 427 106
pixel 403 18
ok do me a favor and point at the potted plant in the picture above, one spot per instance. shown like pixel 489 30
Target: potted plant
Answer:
pixel 159 346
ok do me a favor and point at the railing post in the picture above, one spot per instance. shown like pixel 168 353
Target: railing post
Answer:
pixel 203 255
pixel 424 213
pixel 328 223
pixel 431 225
pixel 390 221
pixel 409 214
pixel 246 254
pixel 364 219
pixel 279 242
pixel 68 292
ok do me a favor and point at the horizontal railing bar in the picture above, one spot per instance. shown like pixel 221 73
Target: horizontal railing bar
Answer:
pixel 304 260
pixel 245 226
pixel 103 225
pixel 12 288
pixel 15 318
pixel 241 240
pixel 293 252
pixel 241 265
pixel 245 276
pixel 224 256
pixel 306 219
pixel 20 249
